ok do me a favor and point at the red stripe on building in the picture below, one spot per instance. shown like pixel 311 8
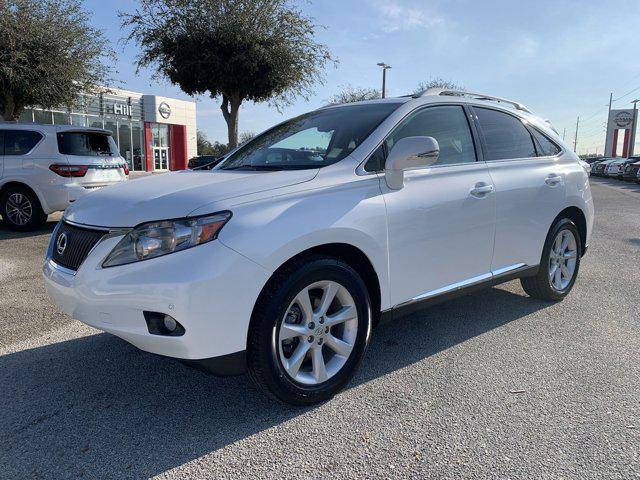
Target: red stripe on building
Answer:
pixel 147 146
pixel 614 148
pixel 625 144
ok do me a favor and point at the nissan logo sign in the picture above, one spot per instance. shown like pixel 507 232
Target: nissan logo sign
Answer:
pixel 61 243
pixel 623 119
pixel 165 110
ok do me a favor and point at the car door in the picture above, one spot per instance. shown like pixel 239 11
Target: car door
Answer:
pixel 529 179
pixel 441 223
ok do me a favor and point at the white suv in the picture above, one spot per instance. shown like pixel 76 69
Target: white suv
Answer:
pixel 283 257
pixel 43 168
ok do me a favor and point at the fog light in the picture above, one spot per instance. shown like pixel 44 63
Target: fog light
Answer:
pixel 162 324
pixel 169 323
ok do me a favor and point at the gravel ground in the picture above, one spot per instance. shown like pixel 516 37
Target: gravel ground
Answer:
pixel 492 385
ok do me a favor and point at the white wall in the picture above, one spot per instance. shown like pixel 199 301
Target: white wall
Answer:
pixel 181 113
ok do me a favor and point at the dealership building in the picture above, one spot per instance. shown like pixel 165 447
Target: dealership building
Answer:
pixel 153 133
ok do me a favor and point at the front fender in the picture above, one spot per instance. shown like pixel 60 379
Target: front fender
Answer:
pixel 273 230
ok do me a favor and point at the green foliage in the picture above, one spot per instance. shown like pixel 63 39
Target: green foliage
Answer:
pixel 206 147
pixel 49 54
pixel 351 94
pixel 437 82
pixel 258 50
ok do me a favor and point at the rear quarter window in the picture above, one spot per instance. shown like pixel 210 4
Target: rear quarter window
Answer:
pixel 544 146
pixel 505 136
pixel 86 144
pixel 20 142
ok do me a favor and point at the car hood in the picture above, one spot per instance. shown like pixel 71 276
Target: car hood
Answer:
pixel 174 195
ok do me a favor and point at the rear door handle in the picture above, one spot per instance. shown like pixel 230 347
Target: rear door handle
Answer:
pixel 480 190
pixel 553 179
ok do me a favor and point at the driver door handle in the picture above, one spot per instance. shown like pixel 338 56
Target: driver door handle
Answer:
pixel 553 179
pixel 480 190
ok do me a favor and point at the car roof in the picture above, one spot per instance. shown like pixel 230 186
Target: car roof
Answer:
pixel 51 128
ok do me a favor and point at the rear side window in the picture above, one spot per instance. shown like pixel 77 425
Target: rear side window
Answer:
pixel 545 147
pixel 20 142
pixel 448 125
pixel 505 137
pixel 87 144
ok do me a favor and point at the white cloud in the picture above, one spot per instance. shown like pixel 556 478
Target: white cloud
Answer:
pixel 394 16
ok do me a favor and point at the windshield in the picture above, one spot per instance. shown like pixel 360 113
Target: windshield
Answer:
pixel 87 144
pixel 313 140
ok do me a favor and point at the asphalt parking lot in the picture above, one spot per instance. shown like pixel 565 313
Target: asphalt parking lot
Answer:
pixel 492 385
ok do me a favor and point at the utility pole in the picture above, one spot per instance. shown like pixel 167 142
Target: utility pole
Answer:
pixel 634 126
pixel 575 142
pixel 610 101
pixel 385 67
pixel 564 132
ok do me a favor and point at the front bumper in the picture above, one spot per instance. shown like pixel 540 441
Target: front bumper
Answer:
pixel 210 289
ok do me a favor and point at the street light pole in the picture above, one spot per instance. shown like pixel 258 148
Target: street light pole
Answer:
pixel 385 67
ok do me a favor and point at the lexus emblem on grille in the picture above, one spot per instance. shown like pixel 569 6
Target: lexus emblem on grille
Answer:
pixel 61 243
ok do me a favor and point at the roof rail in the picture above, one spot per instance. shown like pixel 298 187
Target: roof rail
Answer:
pixel 476 96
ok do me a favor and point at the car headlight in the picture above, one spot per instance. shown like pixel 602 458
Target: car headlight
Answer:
pixel 155 239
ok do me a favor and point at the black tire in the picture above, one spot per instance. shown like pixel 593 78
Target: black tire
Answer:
pixel 37 216
pixel 264 365
pixel 540 285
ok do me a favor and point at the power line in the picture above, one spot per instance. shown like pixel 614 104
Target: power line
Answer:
pixel 628 93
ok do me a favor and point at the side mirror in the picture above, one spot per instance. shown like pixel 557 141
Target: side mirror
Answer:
pixel 409 153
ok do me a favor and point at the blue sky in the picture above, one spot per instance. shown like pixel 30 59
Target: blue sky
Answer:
pixel 560 58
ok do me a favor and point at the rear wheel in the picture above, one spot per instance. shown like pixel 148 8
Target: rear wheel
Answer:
pixel 559 265
pixel 309 331
pixel 21 209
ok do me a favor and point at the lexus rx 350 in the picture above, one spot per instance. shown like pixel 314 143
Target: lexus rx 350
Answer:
pixel 282 258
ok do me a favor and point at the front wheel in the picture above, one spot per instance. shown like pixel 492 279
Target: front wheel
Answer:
pixel 309 331
pixel 559 265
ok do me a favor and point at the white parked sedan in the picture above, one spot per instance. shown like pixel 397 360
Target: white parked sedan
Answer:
pixel 283 258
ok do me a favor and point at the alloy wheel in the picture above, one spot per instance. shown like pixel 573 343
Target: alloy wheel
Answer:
pixel 562 260
pixel 19 209
pixel 318 333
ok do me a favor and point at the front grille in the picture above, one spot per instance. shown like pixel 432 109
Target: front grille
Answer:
pixel 71 250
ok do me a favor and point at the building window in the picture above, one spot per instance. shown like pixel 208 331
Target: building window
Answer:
pixel 43 116
pixel 61 118
pixel 124 143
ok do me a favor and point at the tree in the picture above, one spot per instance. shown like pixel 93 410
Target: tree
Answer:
pixel 351 94
pixel 236 50
pixel 206 147
pixel 49 54
pixel 437 82
pixel 245 137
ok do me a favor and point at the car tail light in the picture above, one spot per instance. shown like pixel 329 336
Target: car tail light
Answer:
pixel 69 170
pixel 125 167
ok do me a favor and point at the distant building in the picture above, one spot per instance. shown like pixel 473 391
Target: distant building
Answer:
pixel 153 133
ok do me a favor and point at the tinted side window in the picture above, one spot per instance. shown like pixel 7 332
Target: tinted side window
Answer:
pixel 505 136
pixel 545 147
pixel 1 143
pixel 376 161
pixel 448 125
pixel 20 142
